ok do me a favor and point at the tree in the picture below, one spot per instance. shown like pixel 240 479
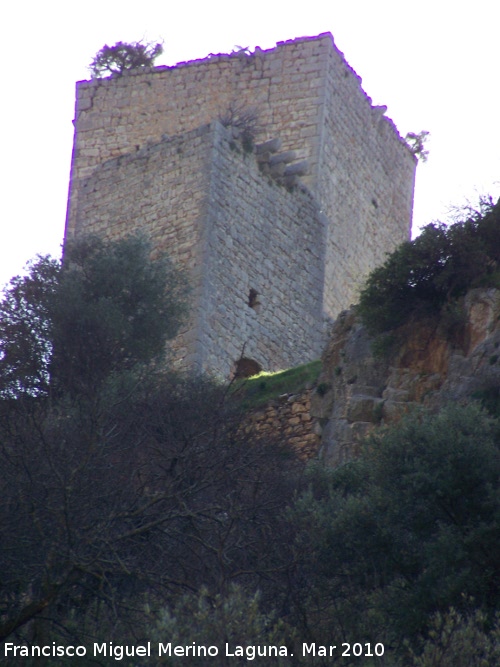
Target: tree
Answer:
pixel 148 489
pixel 26 330
pixel 456 640
pixel 75 338
pixel 122 57
pixel 408 530
pixel 70 326
pixel 120 480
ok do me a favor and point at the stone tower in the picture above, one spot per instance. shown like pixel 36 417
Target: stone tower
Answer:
pixel 276 236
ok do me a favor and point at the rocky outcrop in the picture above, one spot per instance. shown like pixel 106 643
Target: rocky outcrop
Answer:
pixel 431 364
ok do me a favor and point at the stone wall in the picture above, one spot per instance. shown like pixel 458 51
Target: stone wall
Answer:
pixel 288 417
pixel 149 154
pixel 159 191
pixel 261 239
pixel 205 202
pixel 365 182
pixel 120 115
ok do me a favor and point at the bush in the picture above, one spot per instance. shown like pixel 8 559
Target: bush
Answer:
pixel 416 143
pixel 436 268
pixel 212 621
pixel 122 56
pixel 408 530
pixel 245 120
pixel 456 640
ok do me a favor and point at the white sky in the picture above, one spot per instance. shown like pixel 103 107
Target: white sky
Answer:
pixel 433 63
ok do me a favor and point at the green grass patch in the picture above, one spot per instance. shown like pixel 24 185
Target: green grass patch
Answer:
pixel 264 387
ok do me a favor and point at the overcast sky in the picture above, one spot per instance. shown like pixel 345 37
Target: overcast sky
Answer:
pixel 434 64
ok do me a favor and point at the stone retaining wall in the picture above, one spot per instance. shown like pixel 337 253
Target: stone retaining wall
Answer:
pixel 290 418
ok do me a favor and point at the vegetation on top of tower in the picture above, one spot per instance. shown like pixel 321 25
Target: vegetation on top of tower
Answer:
pixel 424 275
pixel 416 143
pixel 245 120
pixel 123 56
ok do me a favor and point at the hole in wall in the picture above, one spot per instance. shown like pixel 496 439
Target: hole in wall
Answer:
pixel 245 368
pixel 253 298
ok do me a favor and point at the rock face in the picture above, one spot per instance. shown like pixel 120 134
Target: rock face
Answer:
pixel 434 364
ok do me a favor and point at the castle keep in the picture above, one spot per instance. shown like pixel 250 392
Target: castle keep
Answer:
pixel 276 230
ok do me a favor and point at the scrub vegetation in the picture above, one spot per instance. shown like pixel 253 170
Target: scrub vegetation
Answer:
pixel 428 275
pixel 123 56
pixel 135 508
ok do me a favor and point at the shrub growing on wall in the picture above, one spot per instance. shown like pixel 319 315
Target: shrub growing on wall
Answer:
pixel 123 56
